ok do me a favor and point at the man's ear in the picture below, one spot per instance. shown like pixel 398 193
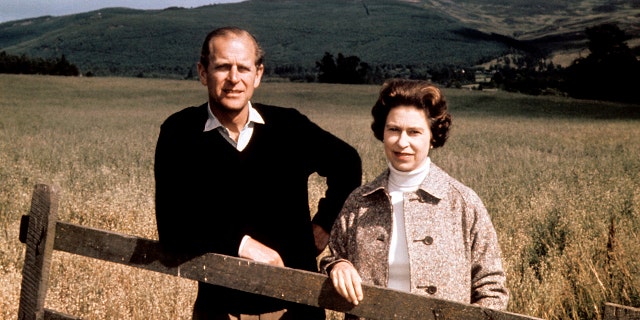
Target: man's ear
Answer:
pixel 259 72
pixel 202 73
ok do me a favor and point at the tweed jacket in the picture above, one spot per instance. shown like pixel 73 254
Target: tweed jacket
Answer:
pixel 453 247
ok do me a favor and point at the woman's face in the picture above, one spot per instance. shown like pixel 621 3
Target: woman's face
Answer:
pixel 407 137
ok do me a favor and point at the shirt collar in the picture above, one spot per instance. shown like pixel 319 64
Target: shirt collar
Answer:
pixel 214 123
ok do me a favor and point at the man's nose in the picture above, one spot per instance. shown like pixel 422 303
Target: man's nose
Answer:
pixel 233 74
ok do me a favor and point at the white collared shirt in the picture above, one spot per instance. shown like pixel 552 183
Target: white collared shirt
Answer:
pixel 245 133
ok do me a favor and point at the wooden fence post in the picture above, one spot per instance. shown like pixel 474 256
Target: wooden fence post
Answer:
pixel 37 231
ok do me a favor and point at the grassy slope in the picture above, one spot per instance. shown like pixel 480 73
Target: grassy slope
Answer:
pixel 524 19
pixel 119 41
pixel 124 41
pixel 166 42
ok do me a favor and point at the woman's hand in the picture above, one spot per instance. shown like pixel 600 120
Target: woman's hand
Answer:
pixel 347 282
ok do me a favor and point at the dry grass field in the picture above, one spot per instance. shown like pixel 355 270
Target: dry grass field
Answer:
pixel 560 177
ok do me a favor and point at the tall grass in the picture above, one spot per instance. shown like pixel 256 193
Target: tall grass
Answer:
pixel 560 177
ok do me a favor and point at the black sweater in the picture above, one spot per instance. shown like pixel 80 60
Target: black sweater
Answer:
pixel 209 194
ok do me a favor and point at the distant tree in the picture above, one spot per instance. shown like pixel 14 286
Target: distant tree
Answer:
pixel 610 72
pixel 344 69
pixel 25 65
pixel 348 69
pixel 327 69
pixel 189 75
pixel 63 67
pixel 452 76
pixel 533 77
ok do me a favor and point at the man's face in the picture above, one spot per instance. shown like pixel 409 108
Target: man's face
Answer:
pixel 232 74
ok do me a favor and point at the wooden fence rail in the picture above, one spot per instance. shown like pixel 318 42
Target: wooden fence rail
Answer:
pixel 614 311
pixel 43 234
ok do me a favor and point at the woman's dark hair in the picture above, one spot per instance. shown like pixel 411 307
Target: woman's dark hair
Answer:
pixel 420 94
pixel 225 32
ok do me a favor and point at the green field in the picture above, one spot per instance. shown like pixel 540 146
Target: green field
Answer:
pixel 560 178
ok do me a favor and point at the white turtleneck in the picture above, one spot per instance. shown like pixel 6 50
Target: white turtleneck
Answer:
pixel 399 183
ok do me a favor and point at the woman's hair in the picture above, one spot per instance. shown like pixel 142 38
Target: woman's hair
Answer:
pixel 227 32
pixel 420 94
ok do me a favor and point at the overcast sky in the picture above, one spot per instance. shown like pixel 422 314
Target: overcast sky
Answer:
pixel 21 9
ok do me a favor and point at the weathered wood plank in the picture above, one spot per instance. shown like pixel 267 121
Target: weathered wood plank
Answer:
pixel 43 234
pixel 614 311
pixel 39 238
pixel 283 283
pixel 55 315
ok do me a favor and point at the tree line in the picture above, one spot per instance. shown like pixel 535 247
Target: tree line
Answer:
pixel 610 72
pixel 13 64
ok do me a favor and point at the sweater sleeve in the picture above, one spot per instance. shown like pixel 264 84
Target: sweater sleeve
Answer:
pixel 339 238
pixel 340 164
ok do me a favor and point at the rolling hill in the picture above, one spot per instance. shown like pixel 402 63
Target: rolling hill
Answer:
pixel 165 43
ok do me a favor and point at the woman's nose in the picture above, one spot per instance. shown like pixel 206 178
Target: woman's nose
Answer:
pixel 403 139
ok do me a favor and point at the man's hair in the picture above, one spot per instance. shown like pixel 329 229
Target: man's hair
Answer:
pixel 225 32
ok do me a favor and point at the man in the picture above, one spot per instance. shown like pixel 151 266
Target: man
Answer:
pixel 231 178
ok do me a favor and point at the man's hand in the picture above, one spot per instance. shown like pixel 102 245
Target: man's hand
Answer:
pixel 255 250
pixel 321 238
pixel 347 282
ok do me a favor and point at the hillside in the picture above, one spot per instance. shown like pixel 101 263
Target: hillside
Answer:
pixel 121 41
pixel 557 27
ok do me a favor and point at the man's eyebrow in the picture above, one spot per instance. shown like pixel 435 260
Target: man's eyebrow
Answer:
pixel 229 63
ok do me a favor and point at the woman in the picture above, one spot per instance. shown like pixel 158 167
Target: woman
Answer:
pixel 415 228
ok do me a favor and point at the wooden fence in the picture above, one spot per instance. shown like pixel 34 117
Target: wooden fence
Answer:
pixel 42 234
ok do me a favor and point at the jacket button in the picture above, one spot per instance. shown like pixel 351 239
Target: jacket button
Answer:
pixel 427 240
pixel 431 289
